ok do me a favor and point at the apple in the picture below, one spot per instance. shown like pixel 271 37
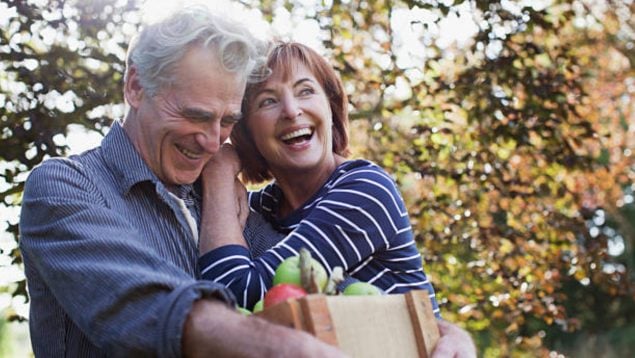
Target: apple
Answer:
pixel 243 310
pixel 258 306
pixel 289 271
pixel 361 289
pixel 282 292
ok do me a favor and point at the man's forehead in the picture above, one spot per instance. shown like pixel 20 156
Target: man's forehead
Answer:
pixel 203 61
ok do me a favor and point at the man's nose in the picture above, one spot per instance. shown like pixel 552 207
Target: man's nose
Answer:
pixel 209 139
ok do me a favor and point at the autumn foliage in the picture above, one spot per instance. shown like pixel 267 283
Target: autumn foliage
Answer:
pixel 513 149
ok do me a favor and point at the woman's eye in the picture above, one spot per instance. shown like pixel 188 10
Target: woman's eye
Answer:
pixel 266 102
pixel 306 91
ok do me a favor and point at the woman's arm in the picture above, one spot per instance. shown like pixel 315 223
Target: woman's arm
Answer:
pixel 360 224
pixel 225 208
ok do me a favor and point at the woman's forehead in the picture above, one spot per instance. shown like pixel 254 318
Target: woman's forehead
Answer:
pixel 285 71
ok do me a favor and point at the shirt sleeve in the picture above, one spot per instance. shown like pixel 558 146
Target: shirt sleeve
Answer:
pixel 260 234
pixel 121 294
pixel 359 215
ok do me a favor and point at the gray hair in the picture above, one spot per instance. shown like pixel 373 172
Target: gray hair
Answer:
pixel 161 45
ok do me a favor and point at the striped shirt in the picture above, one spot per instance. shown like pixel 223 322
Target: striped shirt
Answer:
pixel 110 255
pixel 357 221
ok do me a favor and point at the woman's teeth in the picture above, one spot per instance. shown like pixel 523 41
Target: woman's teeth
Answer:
pixel 296 134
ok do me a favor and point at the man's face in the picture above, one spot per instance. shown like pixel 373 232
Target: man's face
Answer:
pixel 181 128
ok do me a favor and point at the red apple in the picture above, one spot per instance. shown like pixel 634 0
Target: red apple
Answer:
pixel 282 292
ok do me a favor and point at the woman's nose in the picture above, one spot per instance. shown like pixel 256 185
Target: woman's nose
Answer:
pixel 291 108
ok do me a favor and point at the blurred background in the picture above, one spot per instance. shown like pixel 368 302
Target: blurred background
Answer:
pixel 508 125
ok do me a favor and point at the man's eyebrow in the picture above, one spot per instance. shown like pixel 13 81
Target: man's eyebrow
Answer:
pixel 197 113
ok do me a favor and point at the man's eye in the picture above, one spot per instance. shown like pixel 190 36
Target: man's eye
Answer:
pixel 229 121
pixel 198 119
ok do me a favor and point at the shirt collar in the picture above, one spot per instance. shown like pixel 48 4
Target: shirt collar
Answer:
pixel 123 159
pixel 125 162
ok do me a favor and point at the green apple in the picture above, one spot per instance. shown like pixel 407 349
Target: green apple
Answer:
pixel 243 310
pixel 289 271
pixel 258 306
pixel 361 289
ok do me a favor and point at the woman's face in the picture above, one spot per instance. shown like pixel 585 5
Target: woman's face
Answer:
pixel 291 122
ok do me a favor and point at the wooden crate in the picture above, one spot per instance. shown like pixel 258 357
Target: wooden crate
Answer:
pixel 364 326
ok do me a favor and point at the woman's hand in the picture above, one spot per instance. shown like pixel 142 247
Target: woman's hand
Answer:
pixel 221 183
pixel 224 164
pixel 225 208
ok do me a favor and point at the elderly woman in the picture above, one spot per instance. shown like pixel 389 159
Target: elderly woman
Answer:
pixel 348 213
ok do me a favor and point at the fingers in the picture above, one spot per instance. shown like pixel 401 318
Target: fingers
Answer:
pixel 228 154
pixel 225 163
pixel 444 349
pixel 454 342
pixel 241 202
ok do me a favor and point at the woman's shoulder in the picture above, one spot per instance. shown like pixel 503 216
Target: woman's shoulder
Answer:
pixel 360 170
pixel 365 184
pixel 265 200
pixel 270 189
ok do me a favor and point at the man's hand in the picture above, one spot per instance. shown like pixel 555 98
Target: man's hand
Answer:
pixel 215 330
pixel 455 342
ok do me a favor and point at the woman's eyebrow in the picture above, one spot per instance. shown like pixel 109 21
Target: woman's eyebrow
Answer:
pixel 302 80
pixel 297 83
pixel 263 90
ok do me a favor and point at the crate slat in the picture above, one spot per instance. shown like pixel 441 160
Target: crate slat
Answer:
pixel 364 326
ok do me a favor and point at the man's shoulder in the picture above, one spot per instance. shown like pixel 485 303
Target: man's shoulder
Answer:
pixel 55 173
pixel 78 163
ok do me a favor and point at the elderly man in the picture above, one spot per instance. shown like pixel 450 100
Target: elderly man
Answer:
pixel 109 237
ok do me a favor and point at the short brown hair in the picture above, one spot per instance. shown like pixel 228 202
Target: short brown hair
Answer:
pixel 282 58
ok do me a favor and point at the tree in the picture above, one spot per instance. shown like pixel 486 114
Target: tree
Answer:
pixel 498 148
pixel 62 65
pixel 514 151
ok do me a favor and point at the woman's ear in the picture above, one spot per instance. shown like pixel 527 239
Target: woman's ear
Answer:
pixel 133 92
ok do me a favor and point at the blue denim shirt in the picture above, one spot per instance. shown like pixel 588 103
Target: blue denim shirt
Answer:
pixel 109 255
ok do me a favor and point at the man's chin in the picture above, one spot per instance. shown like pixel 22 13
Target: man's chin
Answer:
pixel 186 179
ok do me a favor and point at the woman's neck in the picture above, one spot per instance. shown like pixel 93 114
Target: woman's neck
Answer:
pixel 300 186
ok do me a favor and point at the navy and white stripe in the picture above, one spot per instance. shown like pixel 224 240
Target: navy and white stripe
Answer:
pixel 357 221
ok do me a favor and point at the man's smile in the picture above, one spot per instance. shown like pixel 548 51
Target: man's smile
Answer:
pixel 189 153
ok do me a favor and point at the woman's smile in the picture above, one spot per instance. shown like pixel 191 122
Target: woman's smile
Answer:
pixel 291 120
pixel 299 137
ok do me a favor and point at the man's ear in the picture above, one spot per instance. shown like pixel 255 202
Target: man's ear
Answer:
pixel 133 92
